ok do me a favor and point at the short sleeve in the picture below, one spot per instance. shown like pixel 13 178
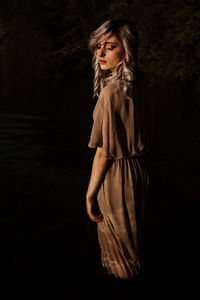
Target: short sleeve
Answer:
pixel 121 125
pixel 100 134
pixel 110 127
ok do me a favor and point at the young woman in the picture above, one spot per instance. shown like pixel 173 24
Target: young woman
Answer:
pixel 119 179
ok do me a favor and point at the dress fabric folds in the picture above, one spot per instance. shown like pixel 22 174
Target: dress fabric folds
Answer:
pixel 121 129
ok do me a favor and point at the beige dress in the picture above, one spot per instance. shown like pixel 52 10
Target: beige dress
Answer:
pixel 121 129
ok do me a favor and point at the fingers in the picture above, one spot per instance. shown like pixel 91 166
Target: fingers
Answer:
pixel 97 218
pixel 93 210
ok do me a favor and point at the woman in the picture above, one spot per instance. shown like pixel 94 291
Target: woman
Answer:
pixel 119 179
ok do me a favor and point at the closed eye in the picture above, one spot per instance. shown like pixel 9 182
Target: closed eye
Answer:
pixel 108 48
pixel 111 48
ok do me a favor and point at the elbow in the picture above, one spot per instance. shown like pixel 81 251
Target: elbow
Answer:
pixel 101 156
pixel 104 158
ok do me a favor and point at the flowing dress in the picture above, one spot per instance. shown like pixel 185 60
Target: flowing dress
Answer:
pixel 121 127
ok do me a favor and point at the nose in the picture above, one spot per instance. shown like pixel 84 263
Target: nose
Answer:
pixel 101 52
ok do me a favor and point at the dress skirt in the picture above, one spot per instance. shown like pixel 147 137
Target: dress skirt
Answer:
pixel 121 200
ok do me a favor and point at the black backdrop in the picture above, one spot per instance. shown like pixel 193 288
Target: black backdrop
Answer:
pixel 48 243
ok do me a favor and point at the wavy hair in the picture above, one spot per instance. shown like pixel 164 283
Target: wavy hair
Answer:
pixel 125 70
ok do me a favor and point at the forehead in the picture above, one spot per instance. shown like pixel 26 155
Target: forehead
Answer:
pixel 109 38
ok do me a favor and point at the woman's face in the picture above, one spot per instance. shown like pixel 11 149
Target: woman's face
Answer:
pixel 110 52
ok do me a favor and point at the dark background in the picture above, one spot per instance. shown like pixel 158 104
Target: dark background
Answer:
pixel 48 245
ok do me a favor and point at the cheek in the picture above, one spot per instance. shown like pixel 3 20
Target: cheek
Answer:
pixel 119 56
pixel 115 57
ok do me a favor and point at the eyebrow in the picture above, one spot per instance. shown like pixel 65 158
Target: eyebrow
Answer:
pixel 109 43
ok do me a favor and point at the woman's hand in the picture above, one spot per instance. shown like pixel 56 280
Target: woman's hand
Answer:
pixel 93 209
pixel 99 168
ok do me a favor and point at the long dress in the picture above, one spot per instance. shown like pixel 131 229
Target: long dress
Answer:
pixel 121 129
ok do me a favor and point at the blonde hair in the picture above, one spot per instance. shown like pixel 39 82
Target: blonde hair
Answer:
pixel 125 70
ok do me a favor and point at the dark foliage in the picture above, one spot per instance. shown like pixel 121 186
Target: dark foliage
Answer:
pixel 54 34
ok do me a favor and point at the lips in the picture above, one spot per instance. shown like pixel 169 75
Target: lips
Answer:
pixel 102 61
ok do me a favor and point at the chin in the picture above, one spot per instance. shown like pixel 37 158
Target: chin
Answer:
pixel 104 68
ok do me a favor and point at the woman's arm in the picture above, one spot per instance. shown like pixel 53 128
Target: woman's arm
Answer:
pixel 99 168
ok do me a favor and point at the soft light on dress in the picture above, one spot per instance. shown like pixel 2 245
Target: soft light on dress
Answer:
pixel 121 127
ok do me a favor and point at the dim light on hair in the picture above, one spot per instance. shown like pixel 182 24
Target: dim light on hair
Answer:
pixel 125 70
